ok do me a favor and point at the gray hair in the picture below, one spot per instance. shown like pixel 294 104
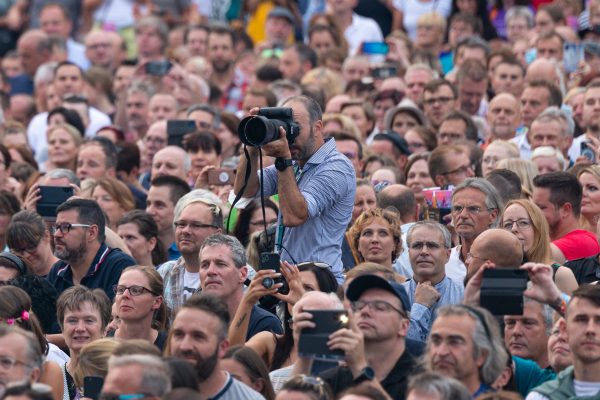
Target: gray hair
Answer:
pixel 60 173
pixel 45 72
pixel 139 86
pixel 201 196
pixel 315 113
pixel 552 114
pixel 422 67
pixel 520 12
pixel 486 340
pixel 549 151
pixel 156 377
pixel 432 384
pixel 207 109
pixel 157 23
pixel 431 225
pixel 547 312
pixel 238 252
pixel 492 198
pixel 35 357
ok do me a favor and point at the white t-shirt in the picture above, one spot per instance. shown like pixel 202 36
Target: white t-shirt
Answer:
pixel 455 268
pixel 191 283
pixel 362 29
pixel 413 9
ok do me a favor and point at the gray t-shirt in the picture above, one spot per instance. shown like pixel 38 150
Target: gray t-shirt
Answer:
pixel 235 390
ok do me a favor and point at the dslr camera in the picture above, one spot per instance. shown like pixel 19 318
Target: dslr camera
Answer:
pixel 258 130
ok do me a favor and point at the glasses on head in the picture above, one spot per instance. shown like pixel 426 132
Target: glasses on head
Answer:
pixel 66 227
pixel 376 305
pixel 521 224
pixel 429 244
pixel 441 100
pixel 7 363
pixel 134 290
pixel 195 226
pixel 110 396
pixel 457 209
pixel 315 263
pixel 460 170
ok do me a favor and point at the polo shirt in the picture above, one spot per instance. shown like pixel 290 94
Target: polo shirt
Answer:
pixel 104 272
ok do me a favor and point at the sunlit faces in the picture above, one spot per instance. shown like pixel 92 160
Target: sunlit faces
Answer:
pixel 590 202
pixel 534 100
pixel 525 335
pixel 160 207
pixel 82 326
pixel 548 133
pixel 108 204
pixel 491 156
pixel 91 162
pixel 428 263
pixel 469 224
pixel 559 351
pixel 62 148
pixel 136 308
pixel 169 161
pixel 138 245
pixel 514 216
pixel 376 242
pixel 364 199
pixel 218 273
pixel 503 116
pixel 418 178
pixel 194 225
pixel 546 164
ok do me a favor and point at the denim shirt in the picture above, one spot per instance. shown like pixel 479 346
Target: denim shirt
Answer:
pixel 421 317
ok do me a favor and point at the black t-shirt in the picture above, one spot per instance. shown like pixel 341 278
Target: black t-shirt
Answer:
pixel 586 270
pixel 395 384
pixel 262 320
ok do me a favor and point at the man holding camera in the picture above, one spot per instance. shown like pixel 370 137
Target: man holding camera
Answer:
pixel 316 186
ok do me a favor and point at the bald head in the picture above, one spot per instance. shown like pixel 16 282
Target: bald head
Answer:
pixel 500 247
pixel 503 116
pixel 543 69
pixel 317 300
pixel 34 49
pixel 402 199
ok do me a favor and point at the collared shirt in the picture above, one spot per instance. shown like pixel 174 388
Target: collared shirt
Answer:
pixel 455 267
pixel 402 263
pixel 172 273
pixel 421 317
pixel 104 272
pixel 522 142
pixel 327 183
pixel 233 98
pixel 362 29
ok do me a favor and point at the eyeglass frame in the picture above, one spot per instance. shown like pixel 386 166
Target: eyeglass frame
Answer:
pixel 355 306
pixel 470 209
pixel 14 362
pixel 59 227
pixel 144 289
pixel 505 226
pixel 195 226
pixel 462 170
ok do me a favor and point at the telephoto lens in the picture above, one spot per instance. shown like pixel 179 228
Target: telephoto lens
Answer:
pixel 258 130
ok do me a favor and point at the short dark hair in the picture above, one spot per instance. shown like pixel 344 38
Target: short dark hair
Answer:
pixel 435 84
pixel 207 109
pixel 68 64
pixel 177 186
pixel 71 117
pixel 344 136
pixel 555 95
pixel 588 292
pixel 212 305
pixel 315 113
pixel 6 155
pixel 88 211
pixel 470 130
pixel 223 30
pixel 268 73
pixel 564 188
pixel 63 9
pixel 196 27
pixel 128 157
pixel 204 141
pixel 108 148
pixel 506 182
pixel 305 53
pixel 9 203
pixel 472 69
pixel 269 96
pixel 404 202
pixel 467 19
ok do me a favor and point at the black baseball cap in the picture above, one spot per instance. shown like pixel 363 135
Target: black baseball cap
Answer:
pixel 398 141
pixel 365 282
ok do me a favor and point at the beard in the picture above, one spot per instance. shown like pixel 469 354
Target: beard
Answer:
pixel 307 150
pixel 206 365
pixel 221 66
pixel 70 255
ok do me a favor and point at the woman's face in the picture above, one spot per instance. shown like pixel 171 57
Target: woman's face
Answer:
pixel 6 274
pixel 256 221
pixel 383 175
pixel 590 202
pixel 108 204
pixel 364 200
pixel 514 214
pixel 543 22
pixel 62 149
pixel 491 156
pixel 415 142
pixel 379 109
pixel 467 6
pixel 309 281
pixel 131 308
pixel 403 122
pixel 358 115
pixel 376 242
pixel 321 42
pixel 418 179
pixel 35 256
pixel 140 247
pixel 82 326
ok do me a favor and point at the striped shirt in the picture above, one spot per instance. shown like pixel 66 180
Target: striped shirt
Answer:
pixel 327 183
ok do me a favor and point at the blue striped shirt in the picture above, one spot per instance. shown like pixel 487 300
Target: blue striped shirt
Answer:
pixel 327 183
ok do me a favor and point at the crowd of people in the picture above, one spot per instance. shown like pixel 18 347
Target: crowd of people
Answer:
pixel 425 152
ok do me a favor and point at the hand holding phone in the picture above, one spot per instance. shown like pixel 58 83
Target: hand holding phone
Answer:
pixel 92 386
pixel 315 341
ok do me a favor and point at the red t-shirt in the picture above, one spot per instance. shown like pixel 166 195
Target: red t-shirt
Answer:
pixel 578 244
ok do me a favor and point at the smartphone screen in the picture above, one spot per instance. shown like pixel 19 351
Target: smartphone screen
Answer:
pixel 372 48
pixel 313 341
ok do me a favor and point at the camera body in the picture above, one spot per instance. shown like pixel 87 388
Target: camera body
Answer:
pixel 258 130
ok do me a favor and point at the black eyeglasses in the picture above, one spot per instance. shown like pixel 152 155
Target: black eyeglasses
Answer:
pixel 134 290
pixel 65 228
pixel 195 226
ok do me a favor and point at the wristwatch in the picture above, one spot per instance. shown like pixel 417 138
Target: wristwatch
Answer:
pixel 367 374
pixel 282 163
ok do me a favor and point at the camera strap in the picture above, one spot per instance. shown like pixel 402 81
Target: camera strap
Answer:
pixel 243 189
pixel 298 174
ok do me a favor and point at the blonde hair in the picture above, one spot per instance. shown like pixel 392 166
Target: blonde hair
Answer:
pixel 549 151
pixel 347 124
pixel 330 81
pixel 593 170
pixel 434 19
pixel 507 146
pixel 70 129
pixel 365 219
pixel 93 359
pixel 526 170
